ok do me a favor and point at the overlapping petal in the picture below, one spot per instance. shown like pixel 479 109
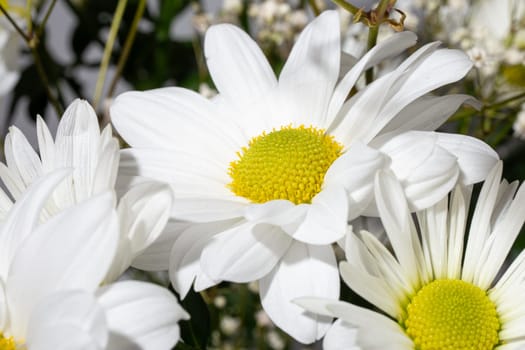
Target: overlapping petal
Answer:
pixel 303 270
pixel 141 315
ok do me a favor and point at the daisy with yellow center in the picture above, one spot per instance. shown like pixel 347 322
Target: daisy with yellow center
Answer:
pixel 433 293
pixel 50 278
pixel 267 174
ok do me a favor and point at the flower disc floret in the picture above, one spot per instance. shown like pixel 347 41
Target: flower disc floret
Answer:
pixel 289 163
pixel 7 343
pixel 452 314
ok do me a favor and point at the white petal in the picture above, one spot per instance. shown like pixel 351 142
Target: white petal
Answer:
pixel 279 212
pixel 143 213
pixel 105 174
pixel 326 218
pixel 21 157
pixel 237 65
pixel 501 240
pixel 427 113
pixel 156 256
pixel 12 181
pixel 475 158
pixel 143 313
pixel 72 313
pixel 305 270
pixel 399 226
pixel 169 118
pixel 426 170
pixel 439 68
pixel 364 120
pixel 46 145
pixel 186 252
pixel 341 336
pixel 77 145
pixel 311 71
pixel 375 331
pixel 3 306
pixel 207 209
pixel 480 224
pixel 423 71
pixel 190 175
pixel 355 170
pixel 60 254
pixel 24 216
pixel 244 253
pixel 392 46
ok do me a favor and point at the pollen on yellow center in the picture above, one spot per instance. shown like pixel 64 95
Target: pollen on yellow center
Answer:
pixel 452 314
pixel 289 163
pixel 7 343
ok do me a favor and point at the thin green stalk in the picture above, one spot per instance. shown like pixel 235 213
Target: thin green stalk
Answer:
pixel 373 32
pixel 115 24
pixel 42 25
pixel 32 43
pixel 347 6
pixel 371 42
pixel 43 77
pixel 14 24
pixel 127 46
pixel 505 101
pixel 199 58
pixel 29 5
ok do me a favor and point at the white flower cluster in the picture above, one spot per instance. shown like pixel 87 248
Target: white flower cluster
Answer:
pixel 258 185
pixel 267 174
pixel 275 23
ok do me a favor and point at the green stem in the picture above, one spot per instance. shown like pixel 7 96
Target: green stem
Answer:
pixel 373 32
pixel 127 46
pixel 14 24
pixel 115 24
pixel 28 17
pixel 371 42
pixel 505 101
pixel 45 81
pixel 32 43
pixel 46 17
pixel 347 6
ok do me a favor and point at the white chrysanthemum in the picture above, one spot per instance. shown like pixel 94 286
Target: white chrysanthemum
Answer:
pixel 93 157
pixel 49 284
pixel 269 171
pixel 431 294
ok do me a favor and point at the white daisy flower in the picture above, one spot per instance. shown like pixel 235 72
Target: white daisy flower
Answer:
pixel 269 171
pixel 431 295
pixel 94 157
pixel 49 286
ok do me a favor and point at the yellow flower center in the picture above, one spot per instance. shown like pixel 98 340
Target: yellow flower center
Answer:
pixel 7 343
pixel 452 314
pixel 289 163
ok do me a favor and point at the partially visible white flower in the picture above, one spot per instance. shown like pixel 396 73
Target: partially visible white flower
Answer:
pixel 275 340
pixel 50 276
pixel 219 301
pixel 232 6
pixel 436 288
pixel 262 319
pixel 93 157
pixel 229 325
